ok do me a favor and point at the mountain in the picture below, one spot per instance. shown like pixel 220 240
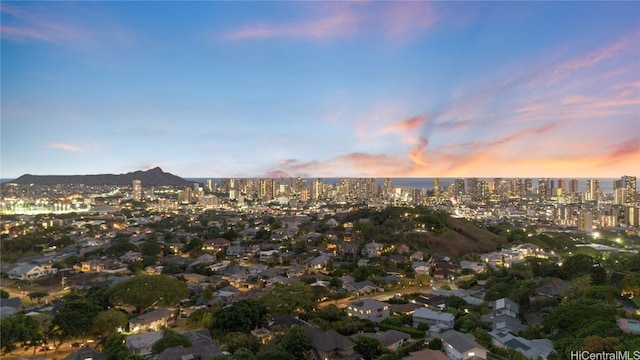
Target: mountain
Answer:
pixel 153 177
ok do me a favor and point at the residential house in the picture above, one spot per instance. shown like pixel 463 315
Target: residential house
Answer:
pixel 86 354
pixel 142 344
pixel 554 288
pixel 29 272
pixel 460 346
pixel 10 307
pixel 372 249
pixel 330 345
pixel 432 301
pixel 215 245
pixel 507 307
pixel 265 255
pixel 402 249
pixel 362 287
pixel 130 256
pixel 203 347
pixel 319 262
pixel 532 349
pixel 151 321
pixel 369 309
pixel 391 339
pixel 417 256
pixel 426 354
pixel 432 317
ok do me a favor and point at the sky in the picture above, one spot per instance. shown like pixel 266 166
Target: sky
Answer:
pixel 321 89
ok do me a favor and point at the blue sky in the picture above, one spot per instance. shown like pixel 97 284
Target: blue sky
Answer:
pixel 358 89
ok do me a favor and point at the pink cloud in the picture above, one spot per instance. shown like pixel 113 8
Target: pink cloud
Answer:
pixel 335 25
pixel 398 20
pixel 63 146
pixel 33 24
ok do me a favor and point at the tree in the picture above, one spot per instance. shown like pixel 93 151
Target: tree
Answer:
pixel 435 344
pixel 38 295
pixel 242 316
pixel 75 318
pixel 234 341
pixel 295 341
pixel 144 291
pixel 273 352
pixel 631 285
pixel 294 298
pixel 4 294
pixel 455 302
pixel 19 330
pixel 115 349
pixel 107 323
pixel 368 347
pixel 170 339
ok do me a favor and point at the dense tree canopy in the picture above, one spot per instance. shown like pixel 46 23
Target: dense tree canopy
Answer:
pixel 19 330
pixel 143 291
pixel 242 316
pixel 75 318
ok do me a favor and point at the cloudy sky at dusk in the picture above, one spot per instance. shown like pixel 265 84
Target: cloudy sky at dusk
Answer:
pixel 331 89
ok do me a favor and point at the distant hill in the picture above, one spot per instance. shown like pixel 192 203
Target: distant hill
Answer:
pixel 153 177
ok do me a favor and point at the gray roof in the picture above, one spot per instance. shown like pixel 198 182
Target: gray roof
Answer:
pixel 201 346
pixel 328 340
pixel 386 338
pixel 368 304
pixel 461 342
pixel 530 348
pixel 429 314
pixel 152 316
pixel 86 353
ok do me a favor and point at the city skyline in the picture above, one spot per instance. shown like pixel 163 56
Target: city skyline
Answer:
pixel 322 89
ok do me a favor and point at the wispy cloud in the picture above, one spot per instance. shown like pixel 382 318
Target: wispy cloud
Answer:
pixel 32 23
pixel 63 146
pixel 345 19
pixel 335 25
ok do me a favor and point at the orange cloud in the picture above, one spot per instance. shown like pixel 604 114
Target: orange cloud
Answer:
pixel 406 125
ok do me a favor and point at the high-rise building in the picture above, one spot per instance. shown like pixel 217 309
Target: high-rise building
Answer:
pixel 629 184
pixel 528 186
pixel 544 189
pixel 137 190
pixel 593 190
pixel 573 186
pixel 460 190
pixel 585 221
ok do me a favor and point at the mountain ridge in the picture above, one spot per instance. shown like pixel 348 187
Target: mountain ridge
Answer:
pixel 151 177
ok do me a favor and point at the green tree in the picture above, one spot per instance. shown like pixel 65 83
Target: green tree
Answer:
pixel 234 341
pixel 38 295
pixel 107 322
pixel 144 291
pixel 631 285
pixel 295 298
pixel 295 341
pixel 455 302
pixel 75 318
pixel 115 349
pixel 435 344
pixel 242 316
pixel 273 352
pixel 19 330
pixel 170 339
pixel 4 294
pixel 369 348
